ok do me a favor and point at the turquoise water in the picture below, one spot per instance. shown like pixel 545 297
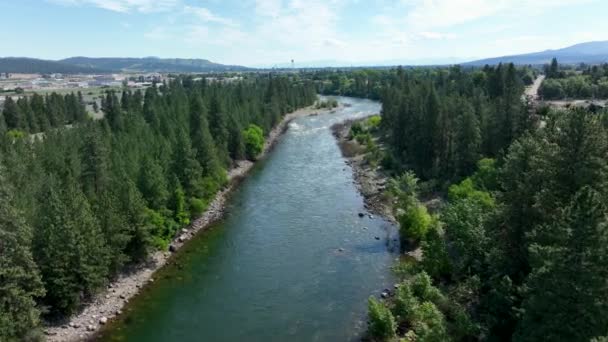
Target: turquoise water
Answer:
pixel 272 269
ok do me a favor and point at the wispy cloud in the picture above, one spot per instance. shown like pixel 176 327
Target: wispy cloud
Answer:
pixel 206 15
pixel 124 6
pixel 427 14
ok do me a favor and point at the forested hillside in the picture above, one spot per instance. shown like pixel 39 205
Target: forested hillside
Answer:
pixel 517 251
pixel 39 66
pixel 77 205
pixel 151 64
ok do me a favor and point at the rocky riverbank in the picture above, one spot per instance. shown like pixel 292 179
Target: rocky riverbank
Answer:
pixel 109 303
pixel 371 181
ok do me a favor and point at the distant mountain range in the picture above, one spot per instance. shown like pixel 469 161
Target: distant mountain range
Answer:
pixel 86 65
pixel 22 65
pixel 151 64
pixel 591 53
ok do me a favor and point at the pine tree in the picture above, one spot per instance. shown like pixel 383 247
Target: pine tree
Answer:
pixel 95 163
pixel 12 115
pixel 68 247
pixel 567 291
pixel 202 141
pixel 468 142
pixel 20 283
pixel 153 184
pixel 112 111
pixel 218 127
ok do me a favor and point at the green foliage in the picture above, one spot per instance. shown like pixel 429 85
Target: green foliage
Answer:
pixel 467 190
pixel 517 248
pixel 254 141
pixel 486 176
pixel 69 248
pixel 429 323
pixel 15 134
pixel 436 261
pixel 382 324
pixel 405 190
pixel 103 194
pixel 20 279
pixel 327 104
pixel 415 222
pixel 566 293
pixel 373 122
pixel 197 207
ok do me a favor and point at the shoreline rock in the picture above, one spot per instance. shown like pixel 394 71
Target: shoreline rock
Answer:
pixel 370 181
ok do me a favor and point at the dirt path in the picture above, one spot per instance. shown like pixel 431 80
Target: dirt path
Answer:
pixel 532 91
pixel 108 304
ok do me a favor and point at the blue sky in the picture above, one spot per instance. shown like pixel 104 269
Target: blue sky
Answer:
pixel 268 32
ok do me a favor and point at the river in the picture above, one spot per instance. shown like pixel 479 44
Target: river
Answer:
pixel 291 260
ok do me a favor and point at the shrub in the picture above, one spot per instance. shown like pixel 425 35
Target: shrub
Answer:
pixel 254 141
pixel 197 207
pixel 429 324
pixel 405 303
pixel 415 222
pixel 466 190
pixel 374 121
pixel 15 134
pixel 382 324
pixel 423 289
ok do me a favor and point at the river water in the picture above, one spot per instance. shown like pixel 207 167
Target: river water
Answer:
pixel 272 270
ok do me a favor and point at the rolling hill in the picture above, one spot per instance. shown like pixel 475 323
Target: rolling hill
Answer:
pixel 24 65
pixel 591 53
pixel 151 64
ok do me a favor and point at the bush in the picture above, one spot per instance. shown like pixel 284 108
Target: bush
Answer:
pixel 436 260
pixel 429 324
pixel 356 129
pixel 466 190
pixel 15 134
pixel 405 303
pixel 197 207
pixel 374 121
pixel 423 289
pixel 486 176
pixel 330 103
pixel 254 141
pixel 415 222
pixel 382 324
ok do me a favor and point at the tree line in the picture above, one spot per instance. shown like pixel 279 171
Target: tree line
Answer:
pixel 585 82
pixel 517 251
pixel 39 113
pixel 78 205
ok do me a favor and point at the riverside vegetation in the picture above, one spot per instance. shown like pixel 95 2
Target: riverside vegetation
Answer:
pixel 78 205
pixel 517 251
